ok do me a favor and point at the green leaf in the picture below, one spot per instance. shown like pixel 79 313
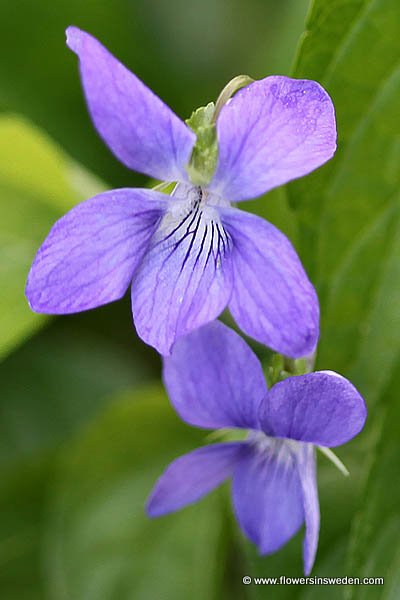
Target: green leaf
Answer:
pixel 38 183
pixel 349 209
pixel 99 542
pixel 374 550
pixel 349 238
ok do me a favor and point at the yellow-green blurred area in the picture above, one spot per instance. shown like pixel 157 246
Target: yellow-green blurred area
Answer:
pixel 85 426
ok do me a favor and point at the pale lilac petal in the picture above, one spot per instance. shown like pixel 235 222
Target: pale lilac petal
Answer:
pixel 214 380
pixel 308 477
pixel 323 408
pixel 139 128
pixel 273 300
pixel 267 495
pixel 184 280
pixel 192 476
pixel 91 253
pixel 270 132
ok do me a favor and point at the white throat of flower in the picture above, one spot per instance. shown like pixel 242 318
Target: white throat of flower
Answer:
pixel 283 449
pixel 192 221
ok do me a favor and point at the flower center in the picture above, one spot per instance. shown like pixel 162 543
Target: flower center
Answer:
pixel 192 224
pixel 197 197
pixel 194 209
pixel 283 448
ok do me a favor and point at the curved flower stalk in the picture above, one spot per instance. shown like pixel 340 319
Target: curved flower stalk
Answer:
pixel 191 254
pixel 274 487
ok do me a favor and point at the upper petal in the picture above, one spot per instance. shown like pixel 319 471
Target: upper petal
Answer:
pixel 270 132
pixel 192 476
pixel 322 407
pixel 267 495
pixel 184 280
pixel 273 300
pixel 91 253
pixel 138 127
pixel 214 379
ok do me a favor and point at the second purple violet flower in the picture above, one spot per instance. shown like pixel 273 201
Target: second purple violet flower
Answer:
pixel 215 381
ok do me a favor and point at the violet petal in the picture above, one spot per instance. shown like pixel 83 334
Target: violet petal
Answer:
pixel 90 254
pixel 192 476
pixel 184 280
pixel 273 300
pixel 308 477
pixel 139 128
pixel 267 496
pixel 214 379
pixel 272 131
pixel 323 408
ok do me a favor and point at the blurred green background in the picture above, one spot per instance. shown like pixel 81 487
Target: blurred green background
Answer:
pixel 85 427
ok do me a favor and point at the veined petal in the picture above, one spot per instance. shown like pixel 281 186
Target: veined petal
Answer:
pixel 214 379
pixel 267 495
pixel 273 300
pixel 308 477
pixel 323 408
pixel 192 476
pixel 91 253
pixel 184 280
pixel 270 132
pixel 139 128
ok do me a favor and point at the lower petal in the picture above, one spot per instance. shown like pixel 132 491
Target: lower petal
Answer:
pixel 184 281
pixel 308 477
pixel 192 476
pixel 267 495
pixel 272 300
pixel 90 254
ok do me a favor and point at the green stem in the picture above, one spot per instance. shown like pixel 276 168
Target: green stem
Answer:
pixel 235 84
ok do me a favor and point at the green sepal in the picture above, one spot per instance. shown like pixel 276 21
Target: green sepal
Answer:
pixel 204 157
pixel 281 367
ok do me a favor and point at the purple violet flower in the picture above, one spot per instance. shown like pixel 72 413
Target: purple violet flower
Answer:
pixel 191 254
pixel 214 380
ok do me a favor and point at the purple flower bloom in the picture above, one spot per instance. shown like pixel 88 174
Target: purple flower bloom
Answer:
pixel 190 255
pixel 214 380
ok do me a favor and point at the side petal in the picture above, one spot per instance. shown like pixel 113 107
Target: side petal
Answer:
pixel 267 496
pixel 139 128
pixel 90 254
pixel 192 476
pixel 214 379
pixel 308 477
pixel 270 132
pixel 273 300
pixel 323 408
pixel 184 280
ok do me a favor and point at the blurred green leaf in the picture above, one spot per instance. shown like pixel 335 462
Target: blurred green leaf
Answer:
pixel 23 494
pixel 99 543
pixel 330 564
pixel 38 182
pixel 184 51
pixel 349 210
pixel 61 379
